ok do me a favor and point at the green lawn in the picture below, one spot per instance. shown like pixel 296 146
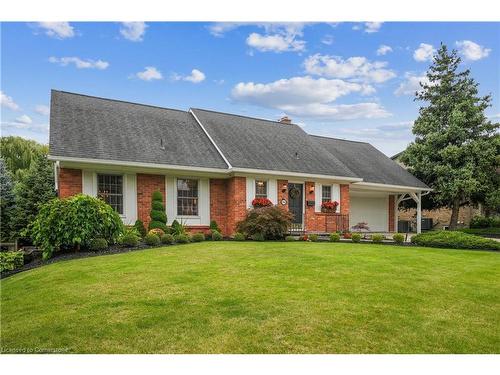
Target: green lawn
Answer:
pixel 230 297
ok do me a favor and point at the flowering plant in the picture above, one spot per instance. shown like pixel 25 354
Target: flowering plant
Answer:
pixel 261 202
pixel 330 206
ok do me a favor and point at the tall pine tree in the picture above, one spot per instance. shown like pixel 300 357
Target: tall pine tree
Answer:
pixel 456 146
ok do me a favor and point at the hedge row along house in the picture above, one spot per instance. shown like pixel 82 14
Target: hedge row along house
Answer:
pixel 211 166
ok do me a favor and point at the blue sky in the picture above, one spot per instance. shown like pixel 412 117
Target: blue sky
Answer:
pixel 345 80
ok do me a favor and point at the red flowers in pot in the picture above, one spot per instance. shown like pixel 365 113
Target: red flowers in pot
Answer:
pixel 261 202
pixel 329 206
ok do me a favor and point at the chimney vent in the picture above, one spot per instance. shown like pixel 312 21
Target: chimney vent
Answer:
pixel 285 120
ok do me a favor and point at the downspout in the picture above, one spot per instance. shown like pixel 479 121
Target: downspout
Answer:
pixel 56 176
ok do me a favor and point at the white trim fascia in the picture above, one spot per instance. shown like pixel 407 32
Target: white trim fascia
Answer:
pixel 211 139
pixel 294 174
pixel 386 186
pixel 137 164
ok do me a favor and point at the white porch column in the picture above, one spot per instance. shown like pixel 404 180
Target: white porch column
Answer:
pixel 396 212
pixel 419 212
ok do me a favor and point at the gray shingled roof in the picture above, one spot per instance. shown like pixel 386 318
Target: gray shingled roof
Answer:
pixel 368 163
pixel 89 127
pixel 261 144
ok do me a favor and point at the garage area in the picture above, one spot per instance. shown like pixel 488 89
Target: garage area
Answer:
pixel 371 208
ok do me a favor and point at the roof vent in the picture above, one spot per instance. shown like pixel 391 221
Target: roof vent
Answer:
pixel 285 120
pixel 297 156
pixel 162 146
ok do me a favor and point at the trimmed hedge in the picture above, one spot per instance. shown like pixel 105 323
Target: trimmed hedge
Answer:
pixel 482 231
pixel 454 240
pixel 167 239
pixel 152 239
pixel 182 238
pixel 238 236
pixel 139 226
pixel 398 238
pixel 313 237
pixel 356 237
pixel 216 236
pixel 290 239
pixel 485 222
pixel 334 237
pixel 258 237
pixel 98 244
pixel 198 237
pixel 377 238
pixel 10 260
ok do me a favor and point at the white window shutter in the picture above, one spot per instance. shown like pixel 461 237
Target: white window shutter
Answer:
pixel 336 195
pixel 317 198
pixel 250 191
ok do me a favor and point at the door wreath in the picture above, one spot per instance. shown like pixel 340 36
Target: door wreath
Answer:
pixel 294 192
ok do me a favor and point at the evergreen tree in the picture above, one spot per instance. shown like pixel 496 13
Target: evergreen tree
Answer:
pixel 7 203
pixel 34 188
pixel 456 147
pixel 157 214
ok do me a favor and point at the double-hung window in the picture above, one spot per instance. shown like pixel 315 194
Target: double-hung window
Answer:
pixel 110 190
pixel 260 189
pixel 326 193
pixel 187 197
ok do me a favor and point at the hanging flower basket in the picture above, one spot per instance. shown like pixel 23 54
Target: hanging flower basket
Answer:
pixel 329 207
pixel 261 202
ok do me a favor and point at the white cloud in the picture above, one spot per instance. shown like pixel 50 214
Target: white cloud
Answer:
pixel 24 119
pixel 8 102
pixel 220 28
pixel 398 130
pixel 424 52
pixel 59 30
pixel 15 125
pixel 42 109
pixel 275 43
pixel 353 67
pixel 309 97
pixel 372 27
pixel 150 73
pixel 383 50
pixel 196 76
pixel 472 51
pixel 79 63
pixel 328 40
pixel 411 84
pixel 133 31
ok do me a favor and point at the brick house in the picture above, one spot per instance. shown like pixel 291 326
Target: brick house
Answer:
pixel 210 166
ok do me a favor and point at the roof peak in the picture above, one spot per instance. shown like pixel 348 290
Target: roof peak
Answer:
pixel 338 139
pixel 243 116
pixel 118 100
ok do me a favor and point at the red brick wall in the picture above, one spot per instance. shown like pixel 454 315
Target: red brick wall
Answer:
pixel 70 182
pixel 236 202
pixel 146 185
pixel 391 213
pixel 325 222
pixel 218 203
pixel 283 194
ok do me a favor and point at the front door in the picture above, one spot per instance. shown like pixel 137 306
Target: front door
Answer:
pixel 295 204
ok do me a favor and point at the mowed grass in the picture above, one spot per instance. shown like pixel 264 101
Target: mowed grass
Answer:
pixel 244 297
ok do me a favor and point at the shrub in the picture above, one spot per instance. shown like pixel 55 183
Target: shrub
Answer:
pixel 159 232
pixel 334 237
pixel 214 226
pixel 313 237
pixel 74 222
pixel 182 238
pixel 356 237
pixel 482 231
pixel 197 237
pixel 139 226
pixel 454 240
pixel 167 239
pixel 290 239
pixel 216 236
pixel 258 237
pixel 238 236
pixel 178 228
pixel 485 222
pixel 398 238
pixel 10 260
pixel 152 239
pixel 271 222
pixel 377 238
pixel 157 214
pixel 98 244
pixel 129 240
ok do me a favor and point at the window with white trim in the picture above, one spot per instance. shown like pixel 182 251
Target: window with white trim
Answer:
pixel 187 197
pixel 326 193
pixel 260 189
pixel 110 190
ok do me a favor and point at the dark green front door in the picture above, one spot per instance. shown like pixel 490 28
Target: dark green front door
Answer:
pixel 295 203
